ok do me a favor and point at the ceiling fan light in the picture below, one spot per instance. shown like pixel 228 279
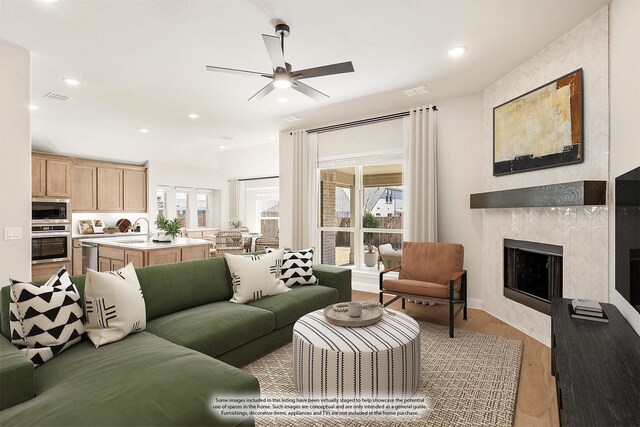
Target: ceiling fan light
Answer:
pixel 282 81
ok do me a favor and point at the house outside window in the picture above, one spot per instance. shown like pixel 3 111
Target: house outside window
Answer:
pixel 161 201
pixel 182 208
pixel 204 206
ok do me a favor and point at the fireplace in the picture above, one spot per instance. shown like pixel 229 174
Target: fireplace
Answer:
pixel 532 273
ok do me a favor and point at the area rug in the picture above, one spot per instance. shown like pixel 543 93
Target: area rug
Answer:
pixel 471 380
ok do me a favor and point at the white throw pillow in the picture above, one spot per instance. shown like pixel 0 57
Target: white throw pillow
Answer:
pixel 257 276
pixel 45 320
pixel 297 267
pixel 114 305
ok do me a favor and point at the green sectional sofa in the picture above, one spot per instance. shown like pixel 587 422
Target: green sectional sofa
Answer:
pixel 191 350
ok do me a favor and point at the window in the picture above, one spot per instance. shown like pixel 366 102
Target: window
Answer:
pixel 373 194
pixel 268 212
pixel 204 205
pixel 182 211
pixel 161 201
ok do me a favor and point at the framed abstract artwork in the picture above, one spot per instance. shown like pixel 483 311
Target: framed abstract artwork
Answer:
pixel 541 129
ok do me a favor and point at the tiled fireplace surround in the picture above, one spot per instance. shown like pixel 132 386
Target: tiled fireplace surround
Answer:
pixel 581 231
pixel 583 234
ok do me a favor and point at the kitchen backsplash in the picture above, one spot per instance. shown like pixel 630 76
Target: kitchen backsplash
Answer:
pixel 108 219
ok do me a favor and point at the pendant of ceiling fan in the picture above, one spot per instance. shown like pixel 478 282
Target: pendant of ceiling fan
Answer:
pixel 282 76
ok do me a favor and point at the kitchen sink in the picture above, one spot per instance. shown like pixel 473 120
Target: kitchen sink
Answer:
pixel 133 242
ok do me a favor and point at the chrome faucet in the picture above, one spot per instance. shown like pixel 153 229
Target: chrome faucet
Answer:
pixel 133 227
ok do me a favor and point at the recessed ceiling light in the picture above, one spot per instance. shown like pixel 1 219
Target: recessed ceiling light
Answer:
pixel 272 138
pixel 282 100
pixel 33 107
pixel 457 52
pixel 291 118
pixel 193 116
pixel 71 82
pixel 226 137
pixel 143 130
pixel 222 147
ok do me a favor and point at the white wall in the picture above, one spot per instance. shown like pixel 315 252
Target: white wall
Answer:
pixel 251 162
pixel 459 174
pixel 15 161
pixel 624 147
pixel 286 189
pixel 178 175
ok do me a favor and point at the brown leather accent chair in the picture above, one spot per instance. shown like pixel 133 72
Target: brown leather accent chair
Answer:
pixel 430 272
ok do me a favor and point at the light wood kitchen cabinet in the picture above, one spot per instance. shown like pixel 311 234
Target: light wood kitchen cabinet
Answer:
pixel 135 257
pixel 50 176
pixel 104 264
pixel 116 264
pixel 164 256
pixel 76 257
pixel 45 270
pixel 135 190
pixel 195 252
pixel 110 189
pixel 84 188
pixel 58 178
pixel 38 177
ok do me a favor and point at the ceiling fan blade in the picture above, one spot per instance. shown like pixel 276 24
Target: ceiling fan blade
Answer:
pixel 326 70
pixel 275 51
pixel 263 92
pixel 233 70
pixel 309 91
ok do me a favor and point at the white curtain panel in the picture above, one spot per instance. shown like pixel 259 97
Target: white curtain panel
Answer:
pixel 420 176
pixel 305 164
pixel 234 199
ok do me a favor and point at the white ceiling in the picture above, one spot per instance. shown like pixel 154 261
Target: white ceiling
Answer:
pixel 141 64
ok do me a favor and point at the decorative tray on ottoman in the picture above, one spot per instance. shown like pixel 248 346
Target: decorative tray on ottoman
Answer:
pixel 370 315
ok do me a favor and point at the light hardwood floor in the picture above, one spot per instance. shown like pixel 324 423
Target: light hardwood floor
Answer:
pixel 536 404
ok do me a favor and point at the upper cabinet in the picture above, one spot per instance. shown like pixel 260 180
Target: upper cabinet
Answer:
pixel 92 186
pixel 135 190
pixel 110 189
pixel 50 177
pixel 84 188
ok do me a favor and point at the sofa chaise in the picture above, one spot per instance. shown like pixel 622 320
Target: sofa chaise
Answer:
pixel 193 346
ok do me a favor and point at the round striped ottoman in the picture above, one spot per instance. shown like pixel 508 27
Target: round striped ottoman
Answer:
pixel 380 360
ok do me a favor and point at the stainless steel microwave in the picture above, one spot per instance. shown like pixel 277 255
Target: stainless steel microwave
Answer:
pixel 48 211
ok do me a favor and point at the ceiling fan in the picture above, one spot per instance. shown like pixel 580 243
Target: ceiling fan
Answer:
pixel 282 76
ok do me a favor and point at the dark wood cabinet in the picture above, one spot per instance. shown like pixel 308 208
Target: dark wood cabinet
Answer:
pixel 597 368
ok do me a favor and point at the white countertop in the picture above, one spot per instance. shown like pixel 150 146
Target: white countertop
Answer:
pixel 103 235
pixel 140 243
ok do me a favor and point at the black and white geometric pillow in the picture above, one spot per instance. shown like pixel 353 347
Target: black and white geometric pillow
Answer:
pixel 297 267
pixel 45 320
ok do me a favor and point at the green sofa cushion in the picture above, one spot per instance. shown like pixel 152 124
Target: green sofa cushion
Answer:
pixel 300 300
pixel 142 380
pixel 173 287
pixel 214 328
pixel 335 277
pixel 17 375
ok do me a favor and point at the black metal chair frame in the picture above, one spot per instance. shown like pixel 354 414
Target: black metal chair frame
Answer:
pixel 452 301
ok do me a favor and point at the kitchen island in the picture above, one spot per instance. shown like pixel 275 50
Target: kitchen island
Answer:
pixel 113 254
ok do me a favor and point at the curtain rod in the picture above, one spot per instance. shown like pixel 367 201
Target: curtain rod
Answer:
pixel 256 179
pixel 362 122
